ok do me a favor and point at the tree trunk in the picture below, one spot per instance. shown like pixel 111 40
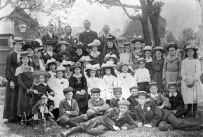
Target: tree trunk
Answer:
pixel 154 19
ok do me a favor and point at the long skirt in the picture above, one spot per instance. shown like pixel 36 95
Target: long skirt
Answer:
pixel 171 77
pixel 194 94
pixel 10 104
pixel 24 105
pixel 157 77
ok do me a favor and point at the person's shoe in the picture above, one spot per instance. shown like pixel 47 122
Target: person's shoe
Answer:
pixel 195 115
pixel 65 134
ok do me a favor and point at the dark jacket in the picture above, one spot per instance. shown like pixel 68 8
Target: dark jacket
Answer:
pixel 65 106
pixel 176 102
pixel 46 57
pixel 111 118
pixel 47 40
pixel 63 56
pixel 87 37
pixel 114 102
pixel 151 114
pixel 133 103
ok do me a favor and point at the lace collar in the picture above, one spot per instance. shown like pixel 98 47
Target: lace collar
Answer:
pixel 94 54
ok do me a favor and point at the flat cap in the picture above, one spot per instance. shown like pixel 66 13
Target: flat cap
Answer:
pixel 67 90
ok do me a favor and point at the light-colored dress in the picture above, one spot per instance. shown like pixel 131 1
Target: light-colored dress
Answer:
pixel 141 75
pixel 59 86
pixel 95 82
pixel 191 70
pixel 109 82
pixel 51 79
pixel 125 81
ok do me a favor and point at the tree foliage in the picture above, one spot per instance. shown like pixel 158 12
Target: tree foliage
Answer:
pixel 187 36
pixel 170 37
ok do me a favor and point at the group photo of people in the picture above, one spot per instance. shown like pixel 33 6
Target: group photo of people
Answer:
pixel 92 84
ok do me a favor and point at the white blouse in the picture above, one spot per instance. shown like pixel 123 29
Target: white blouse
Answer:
pixel 142 75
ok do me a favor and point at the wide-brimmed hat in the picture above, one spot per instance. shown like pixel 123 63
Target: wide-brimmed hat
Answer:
pixel 41 72
pixel 85 59
pixel 24 54
pixel 66 63
pixel 140 60
pixel 142 93
pixel 27 46
pixel 95 90
pixel 127 44
pixel 95 43
pixel 138 39
pixel 60 68
pixel 108 56
pixel 158 48
pixel 62 43
pixel 76 65
pixel 147 48
pixel 194 47
pixel 119 65
pixel 124 102
pixel 170 45
pixel 108 64
pixel 17 40
pixel 152 84
pixel 52 61
pixel 92 67
pixel 121 45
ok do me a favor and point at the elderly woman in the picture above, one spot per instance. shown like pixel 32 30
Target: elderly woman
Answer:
pixel 11 94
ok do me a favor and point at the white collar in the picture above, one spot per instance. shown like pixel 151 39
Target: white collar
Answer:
pixel 77 76
pixel 41 83
pixel 50 53
pixel 154 96
pixel 94 54
pixel 175 94
pixel 149 59
pixel 87 30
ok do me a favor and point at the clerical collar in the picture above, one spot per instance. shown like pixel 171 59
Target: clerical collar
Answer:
pixel 41 83
pixel 174 94
pixel 87 30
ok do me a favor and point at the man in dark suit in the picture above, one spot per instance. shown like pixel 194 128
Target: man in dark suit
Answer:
pixel 104 36
pixel 50 38
pixel 116 119
pixel 87 37
pixel 70 39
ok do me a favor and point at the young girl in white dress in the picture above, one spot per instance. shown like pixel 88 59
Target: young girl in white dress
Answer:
pixel 191 86
pixel 109 80
pixel 93 81
pixel 125 80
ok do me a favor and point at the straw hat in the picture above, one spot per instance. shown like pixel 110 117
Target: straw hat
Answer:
pixel 60 68
pixel 62 43
pixel 158 48
pixel 24 54
pixel 66 63
pixel 52 61
pixel 138 39
pixel 108 56
pixel 41 72
pixel 76 65
pixel 96 43
pixel 191 47
pixel 92 67
pixel 108 64
pixel 85 59
pixel 147 48
pixel 17 40
pixel 170 45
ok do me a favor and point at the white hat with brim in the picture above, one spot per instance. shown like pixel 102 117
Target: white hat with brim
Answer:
pixel 158 48
pixel 60 69
pixel 147 48
pixel 52 61
pixel 191 47
pixel 66 63
pixel 85 59
pixel 95 43
pixel 18 40
pixel 108 64
pixel 92 67
pixel 41 72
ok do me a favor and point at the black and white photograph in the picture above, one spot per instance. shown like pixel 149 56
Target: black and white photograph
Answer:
pixel 106 68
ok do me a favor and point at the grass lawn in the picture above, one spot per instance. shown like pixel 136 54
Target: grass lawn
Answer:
pixel 15 130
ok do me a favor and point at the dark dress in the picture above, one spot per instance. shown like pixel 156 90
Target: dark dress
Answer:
pixel 97 60
pixel 157 71
pixel 11 95
pixel 72 44
pixel 76 58
pixel 148 65
pixel 46 57
pixel 78 84
pixel 35 100
pixel 25 81
pixel 112 51
pixel 46 39
pixel 63 56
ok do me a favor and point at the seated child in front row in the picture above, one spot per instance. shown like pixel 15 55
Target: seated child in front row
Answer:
pixel 69 110
pixel 133 101
pixel 158 98
pixel 39 89
pixel 114 120
pixel 97 106
pixel 149 115
pixel 176 101
pixel 117 91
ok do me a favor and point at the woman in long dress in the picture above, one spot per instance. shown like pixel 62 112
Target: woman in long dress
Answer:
pixel 11 93
pixel 191 86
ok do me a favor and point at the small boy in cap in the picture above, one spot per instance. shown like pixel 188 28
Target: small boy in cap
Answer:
pixel 133 101
pixel 114 120
pixel 142 75
pixel 117 91
pixel 149 115
pixel 176 100
pixel 69 110
pixel 97 106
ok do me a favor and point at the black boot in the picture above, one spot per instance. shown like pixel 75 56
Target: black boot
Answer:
pixel 189 110
pixel 73 130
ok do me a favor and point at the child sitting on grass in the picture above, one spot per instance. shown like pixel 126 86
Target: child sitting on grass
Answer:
pixel 114 120
pixel 97 106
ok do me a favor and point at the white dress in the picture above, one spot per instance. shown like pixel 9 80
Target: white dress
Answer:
pixel 95 82
pixel 191 70
pixel 51 80
pixel 109 83
pixel 59 86
pixel 141 75
pixel 125 81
